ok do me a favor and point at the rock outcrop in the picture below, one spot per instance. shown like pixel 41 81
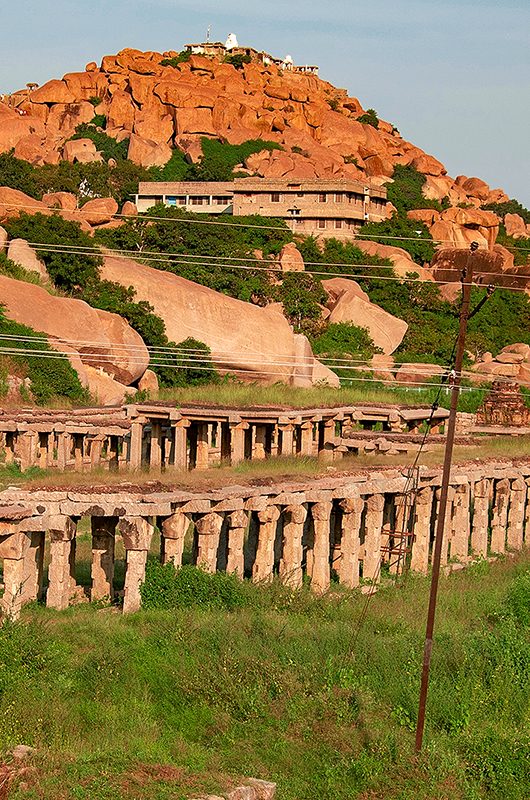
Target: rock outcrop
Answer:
pixel 348 303
pixel 249 341
pixel 101 346
pixel 512 362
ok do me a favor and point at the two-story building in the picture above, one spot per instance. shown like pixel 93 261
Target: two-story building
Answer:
pixel 318 207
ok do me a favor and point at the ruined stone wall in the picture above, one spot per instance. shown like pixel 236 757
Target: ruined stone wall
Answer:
pixel 345 528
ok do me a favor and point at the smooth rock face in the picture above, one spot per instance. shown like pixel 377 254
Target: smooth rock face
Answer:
pixel 249 341
pixel 349 305
pixel 102 340
pixel 25 256
pixel 290 258
pixel 99 211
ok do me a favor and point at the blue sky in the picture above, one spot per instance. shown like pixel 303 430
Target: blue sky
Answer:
pixel 452 75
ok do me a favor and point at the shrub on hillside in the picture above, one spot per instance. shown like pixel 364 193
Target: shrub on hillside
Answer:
pixel 18 174
pixel 49 377
pixel 412 236
pixel 189 586
pixel 369 118
pixel 69 271
pixel 180 58
pixel 106 145
pixel 509 207
pixel 405 192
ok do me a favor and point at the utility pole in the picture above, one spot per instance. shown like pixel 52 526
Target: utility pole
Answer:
pixel 467 278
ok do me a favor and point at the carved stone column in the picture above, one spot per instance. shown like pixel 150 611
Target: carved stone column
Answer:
pixel 237 526
pixel 237 442
pixel 460 524
pixel 320 578
pixel 174 530
pixel 372 538
pixel 481 513
pixel 326 451
pixel 155 459
pixel 306 439
pixel 262 570
pixel 287 440
pixel 33 568
pixel 419 561
pixel 61 572
pixel 135 445
pixel 516 514
pixel 499 520
pixel 14 547
pixel 203 446
pixel 293 551
pixel 137 533
pixel 348 565
pixel 103 540
pixel 208 535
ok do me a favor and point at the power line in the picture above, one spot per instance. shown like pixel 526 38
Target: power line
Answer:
pixel 185 220
pixel 394 278
pixel 149 255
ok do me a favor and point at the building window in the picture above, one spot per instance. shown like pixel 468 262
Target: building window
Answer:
pixel 220 200
pixel 198 201
pixel 171 201
pixel 275 197
pixel 339 197
pixel 338 223
pixel 321 223
pixel 322 197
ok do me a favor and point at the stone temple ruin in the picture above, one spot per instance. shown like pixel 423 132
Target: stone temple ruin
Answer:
pixel 342 526
pixel 504 405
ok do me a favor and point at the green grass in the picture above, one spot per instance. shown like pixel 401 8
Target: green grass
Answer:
pixel 242 395
pixel 166 704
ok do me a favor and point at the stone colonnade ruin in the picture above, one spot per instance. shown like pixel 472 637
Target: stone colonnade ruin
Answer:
pixel 157 436
pixel 340 528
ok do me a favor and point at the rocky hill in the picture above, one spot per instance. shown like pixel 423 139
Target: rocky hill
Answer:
pixel 80 144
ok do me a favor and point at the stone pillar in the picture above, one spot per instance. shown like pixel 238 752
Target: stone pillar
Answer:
pixel 306 439
pixel 135 445
pixel 419 561
pixel 33 568
pixel 61 572
pixel 79 441
pixel 203 446
pixel 103 539
pixel 42 450
pixel 286 446
pixel 27 449
pixel 373 523
pixel 400 541
pixel 262 569
pixel 208 535
pixel 63 450
pixel 327 441
pixel 293 551
pixel 348 565
pixel 499 520
pixel 320 577
pixel 460 524
pixel 260 450
pixel 447 530
pixel 237 526
pixel 137 533
pixel 481 514
pixel 174 529
pixel 155 459
pixel 14 548
pixel 516 514
pixel 237 442
pixel 96 446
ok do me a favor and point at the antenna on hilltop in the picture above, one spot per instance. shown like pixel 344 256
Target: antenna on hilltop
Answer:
pixel 208 31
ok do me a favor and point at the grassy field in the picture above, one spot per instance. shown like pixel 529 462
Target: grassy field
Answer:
pixel 240 395
pixel 166 704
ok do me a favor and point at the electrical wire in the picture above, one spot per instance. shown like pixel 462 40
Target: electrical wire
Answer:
pixel 104 214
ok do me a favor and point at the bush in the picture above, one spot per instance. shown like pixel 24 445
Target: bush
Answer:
pixel 18 174
pixel 106 145
pixel 238 61
pixel 301 296
pixel 369 118
pixel 406 190
pixel 345 339
pixel 189 364
pixel 49 377
pixel 412 236
pixel 69 271
pixel 189 586
pixel 180 58
pixel 509 207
